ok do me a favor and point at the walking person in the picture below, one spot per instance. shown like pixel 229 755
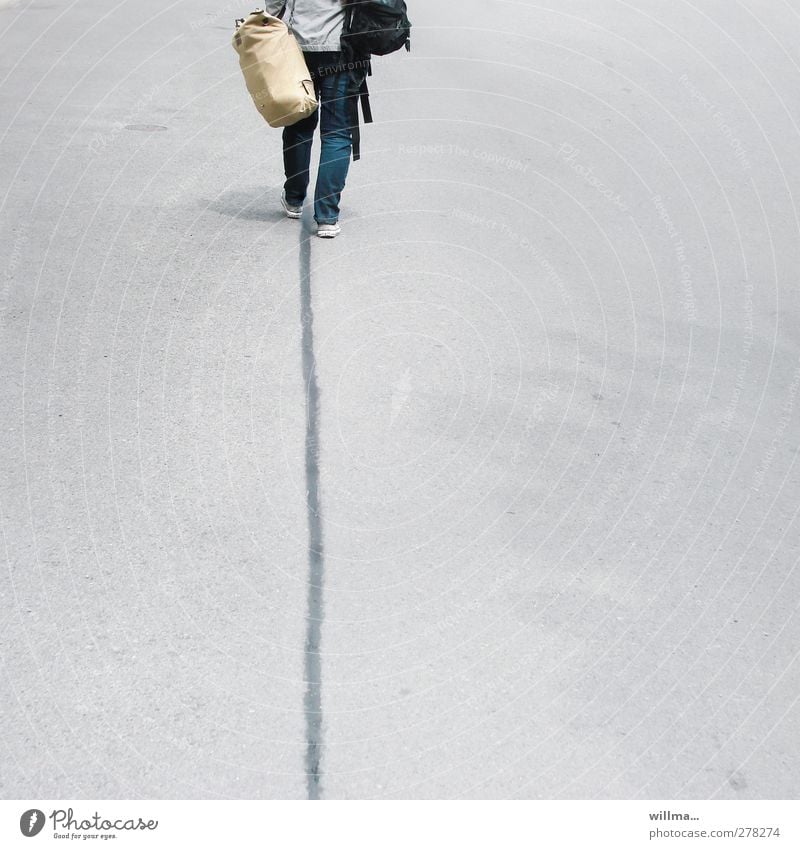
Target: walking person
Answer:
pixel 317 26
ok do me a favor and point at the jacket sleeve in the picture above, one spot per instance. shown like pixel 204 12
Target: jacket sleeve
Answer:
pixel 272 7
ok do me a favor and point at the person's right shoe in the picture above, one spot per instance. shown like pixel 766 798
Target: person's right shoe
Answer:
pixel 328 231
pixel 291 210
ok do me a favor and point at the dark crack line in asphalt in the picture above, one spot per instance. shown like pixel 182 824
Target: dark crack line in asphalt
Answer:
pixel 312 666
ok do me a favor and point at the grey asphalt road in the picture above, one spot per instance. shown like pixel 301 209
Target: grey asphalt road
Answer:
pixel 494 495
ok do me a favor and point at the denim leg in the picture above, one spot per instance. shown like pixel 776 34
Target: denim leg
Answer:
pixel 334 160
pixel 297 141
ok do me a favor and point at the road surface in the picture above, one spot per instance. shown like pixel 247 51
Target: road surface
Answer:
pixel 494 495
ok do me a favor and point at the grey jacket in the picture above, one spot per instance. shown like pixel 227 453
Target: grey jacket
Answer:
pixel 316 24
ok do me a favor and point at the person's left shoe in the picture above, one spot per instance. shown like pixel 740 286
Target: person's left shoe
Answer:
pixel 291 210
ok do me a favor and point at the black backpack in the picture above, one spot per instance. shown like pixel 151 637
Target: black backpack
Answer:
pixel 371 28
pixel 375 28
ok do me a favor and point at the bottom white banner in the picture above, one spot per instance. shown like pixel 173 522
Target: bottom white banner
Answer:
pixel 550 824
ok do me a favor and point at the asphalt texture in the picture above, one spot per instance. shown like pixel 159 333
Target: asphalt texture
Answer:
pixel 494 495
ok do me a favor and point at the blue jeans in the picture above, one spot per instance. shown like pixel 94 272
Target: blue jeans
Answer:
pixel 334 160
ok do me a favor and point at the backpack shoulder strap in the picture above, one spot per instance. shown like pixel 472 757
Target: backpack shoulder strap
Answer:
pixel 358 92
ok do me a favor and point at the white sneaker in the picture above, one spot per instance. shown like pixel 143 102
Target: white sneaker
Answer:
pixel 291 211
pixel 328 231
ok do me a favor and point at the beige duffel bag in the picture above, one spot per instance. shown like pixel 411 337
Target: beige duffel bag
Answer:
pixel 274 70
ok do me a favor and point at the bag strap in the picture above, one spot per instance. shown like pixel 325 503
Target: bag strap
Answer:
pixel 366 109
pixel 355 130
pixel 358 92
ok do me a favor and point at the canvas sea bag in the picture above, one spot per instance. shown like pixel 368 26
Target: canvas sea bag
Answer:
pixel 274 69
